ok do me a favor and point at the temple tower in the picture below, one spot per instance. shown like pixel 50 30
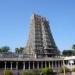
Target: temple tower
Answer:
pixel 40 42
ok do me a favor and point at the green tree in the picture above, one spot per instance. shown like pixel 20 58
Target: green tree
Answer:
pixel 4 49
pixel 16 50
pixel 47 71
pixel 19 50
pixel 0 50
pixel 67 53
pixel 73 47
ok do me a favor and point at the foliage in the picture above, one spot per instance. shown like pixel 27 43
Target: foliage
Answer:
pixel 68 52
pixel 36 72
pixel 26 73
pixel 73 47
pixel 64 68
pixel 19 50
pixel 8 72
pixel 73 69
pixel 0 51
pixel 4 49
pixel 46 71
pixel 31 72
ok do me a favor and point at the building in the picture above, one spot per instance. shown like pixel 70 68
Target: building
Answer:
pixel 40 52
pixel 21 62
pixel 40 42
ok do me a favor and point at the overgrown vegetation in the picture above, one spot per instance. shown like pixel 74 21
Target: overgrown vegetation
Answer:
pixel 69 52
pixel 8 72
pixel 33 72
pixel 73 69
pixel 43 71
pixel 46 71
pixel 6 49
pixel 64 68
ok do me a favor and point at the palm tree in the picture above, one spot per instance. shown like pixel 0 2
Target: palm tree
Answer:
pixel 19 50
pixel 16 50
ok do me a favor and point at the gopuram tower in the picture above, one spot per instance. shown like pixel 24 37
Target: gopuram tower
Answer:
pixel 40 42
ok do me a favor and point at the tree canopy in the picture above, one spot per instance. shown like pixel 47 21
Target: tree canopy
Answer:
pixel 4 49
pixel 19 50
pixel 69 52
pixel 73 47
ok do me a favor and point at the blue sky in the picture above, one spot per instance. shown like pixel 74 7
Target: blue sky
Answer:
pixel 15 21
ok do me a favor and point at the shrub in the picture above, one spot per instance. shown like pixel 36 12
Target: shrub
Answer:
pixel 46 71
pixel 36 72
pixel 31 72
pixel 73 69
pixel 8 72
pixel 64 68
pixel 26 73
